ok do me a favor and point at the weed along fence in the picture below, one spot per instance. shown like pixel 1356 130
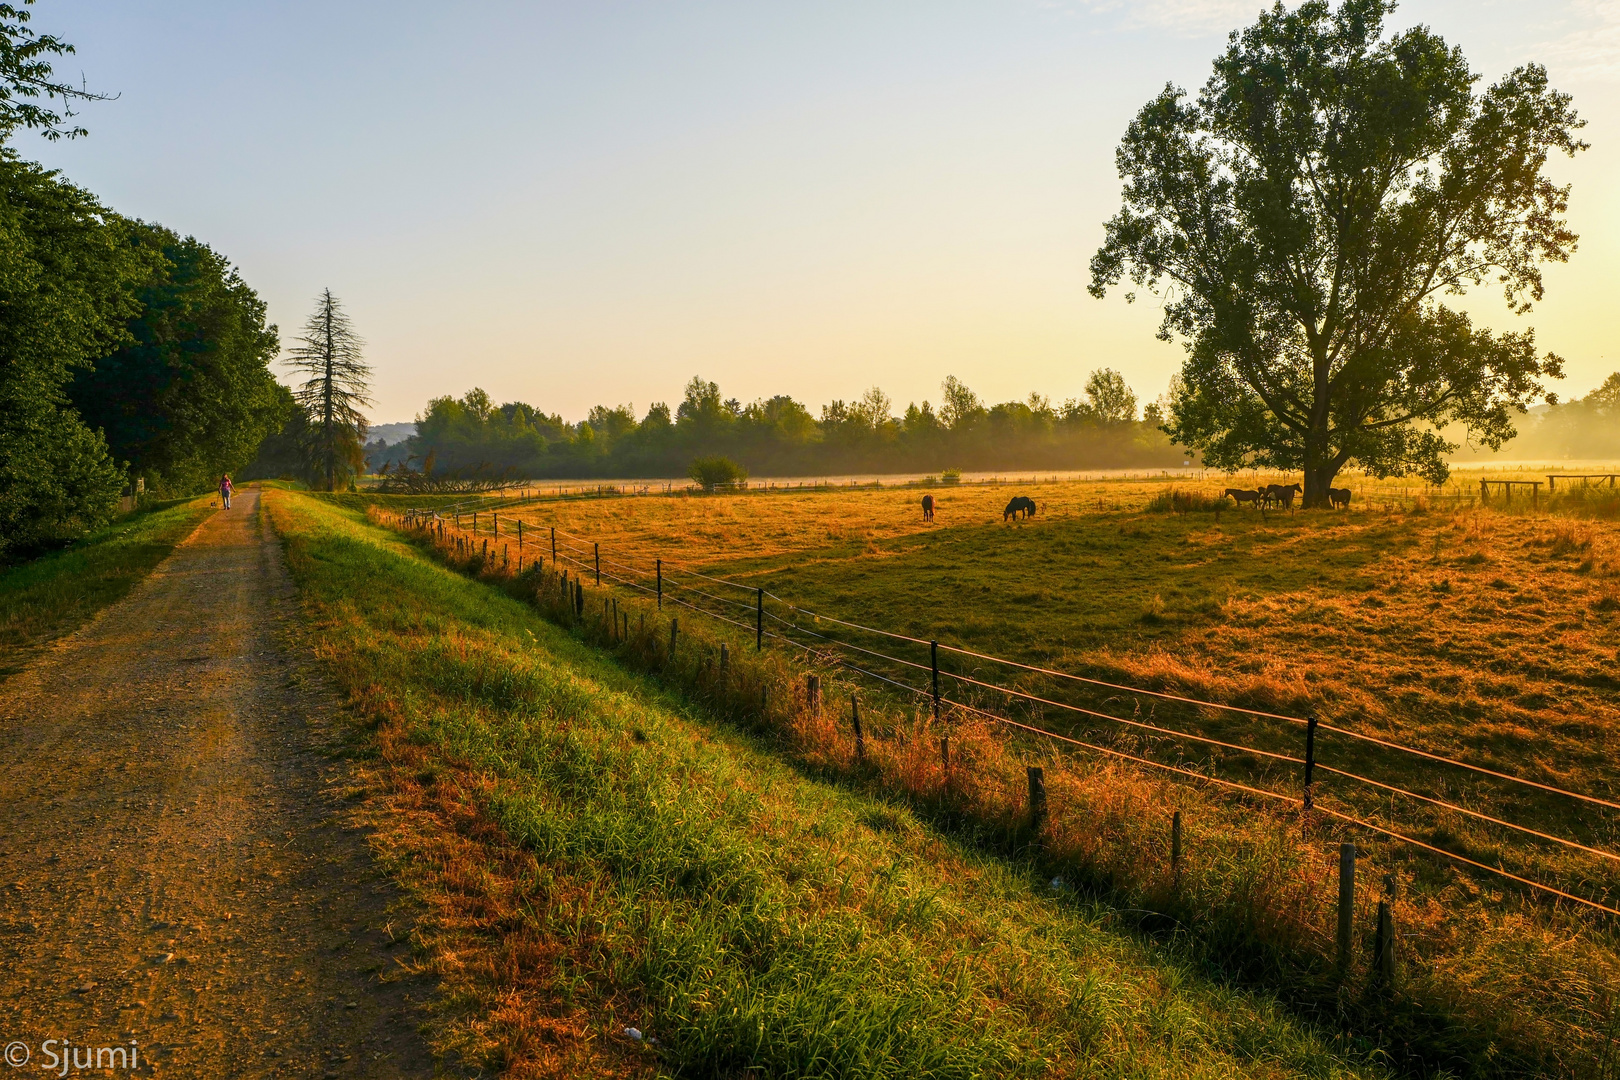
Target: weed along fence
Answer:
pixel 1339 786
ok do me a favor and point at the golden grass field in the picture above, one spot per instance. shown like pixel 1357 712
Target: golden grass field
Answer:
pixel 1487 634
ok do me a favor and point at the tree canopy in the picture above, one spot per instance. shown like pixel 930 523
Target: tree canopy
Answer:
pixel 190 394
pixel 27 84
pixel 67 287
pixel 780 436
pixel 1303 217
pixel 336 385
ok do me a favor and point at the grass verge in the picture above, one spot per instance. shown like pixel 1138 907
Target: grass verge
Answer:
pixel 54 594
pixel 598 854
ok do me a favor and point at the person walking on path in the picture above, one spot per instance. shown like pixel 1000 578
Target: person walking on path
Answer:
pixel 225 490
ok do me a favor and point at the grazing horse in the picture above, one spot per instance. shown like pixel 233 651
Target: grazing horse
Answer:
pixel 1244 495
pixel 928 508
pixel 1339 497
pixel 1283 493
pixel 1020 503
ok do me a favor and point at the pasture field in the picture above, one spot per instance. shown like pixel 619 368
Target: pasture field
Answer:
pixel 592 852
pixel 1488 635
pixel 47 597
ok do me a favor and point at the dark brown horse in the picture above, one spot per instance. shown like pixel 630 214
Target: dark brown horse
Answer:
pixel 1283 493
pixel 1020 504
pixel 928 508
pixel 1244 495
pixel 1339 497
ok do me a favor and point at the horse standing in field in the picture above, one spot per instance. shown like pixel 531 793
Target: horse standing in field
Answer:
pixel 1283 493
pixel 928 508
pixel 1339 497
pixel 1244 495
pixel 1020 503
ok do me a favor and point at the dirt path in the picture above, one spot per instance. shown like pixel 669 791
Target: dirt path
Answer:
pixel 174 866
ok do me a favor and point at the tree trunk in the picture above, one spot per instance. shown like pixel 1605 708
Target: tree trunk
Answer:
pixel 1320 469
pixel 1317 481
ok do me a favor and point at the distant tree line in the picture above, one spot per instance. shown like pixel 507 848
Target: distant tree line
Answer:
pixel 129 355
pixel 1586 427
pixel 780 436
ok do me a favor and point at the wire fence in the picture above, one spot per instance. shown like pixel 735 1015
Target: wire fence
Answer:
pixel 871 653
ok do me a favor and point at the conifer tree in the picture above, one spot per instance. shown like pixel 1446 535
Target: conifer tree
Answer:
pixel 338 384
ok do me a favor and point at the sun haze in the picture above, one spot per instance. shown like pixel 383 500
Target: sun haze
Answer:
pixel 580 204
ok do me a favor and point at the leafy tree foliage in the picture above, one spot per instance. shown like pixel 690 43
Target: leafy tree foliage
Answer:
pixel 337 384
pixel 67 288
pixel 716 473
pixel 778 435
pixel 26 79
pixel 190 395
pixel 1305 214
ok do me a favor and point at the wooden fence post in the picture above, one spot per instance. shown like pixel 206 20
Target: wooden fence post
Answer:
pixel 945 756
pixel 1384 949
pixel 1037 799
pixel 553 545
pixel 1175 849
pixel 674 626
pixel 933 663
pixel 812 694
pixel 855 721
pixel 1310 757
pixel 596 553
pixel 1384 945
pixel 1347 904
pixel 660 584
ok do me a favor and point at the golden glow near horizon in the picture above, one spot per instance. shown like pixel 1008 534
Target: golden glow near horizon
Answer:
pixel 572 206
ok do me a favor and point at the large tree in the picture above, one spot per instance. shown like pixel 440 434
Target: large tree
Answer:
pixel 336 385
pixel 67 285
pixel 1302 219
pixel 191 394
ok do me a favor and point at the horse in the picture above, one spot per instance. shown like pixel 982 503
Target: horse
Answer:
pixel 1339 497
pixel 928 508
pixel 1020 503
pixel 1283 493
pixel 1244 495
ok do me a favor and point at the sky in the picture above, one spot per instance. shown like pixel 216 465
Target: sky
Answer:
pixel 573 204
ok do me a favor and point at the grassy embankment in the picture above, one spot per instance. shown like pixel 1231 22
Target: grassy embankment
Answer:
pixel 1482 635
pixel 596 854
pixel 52 595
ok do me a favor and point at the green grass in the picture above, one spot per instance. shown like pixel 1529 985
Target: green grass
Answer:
pixel 753 919
pixel 52 595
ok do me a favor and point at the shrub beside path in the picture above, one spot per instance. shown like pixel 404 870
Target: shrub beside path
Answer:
pixel 176 865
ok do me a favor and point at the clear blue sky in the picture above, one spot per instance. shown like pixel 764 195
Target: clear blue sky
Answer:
pixel 581 203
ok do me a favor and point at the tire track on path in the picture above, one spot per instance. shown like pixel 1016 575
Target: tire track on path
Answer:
pixel 176 873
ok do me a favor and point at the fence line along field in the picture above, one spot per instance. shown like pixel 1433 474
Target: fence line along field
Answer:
pixel 1486 634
